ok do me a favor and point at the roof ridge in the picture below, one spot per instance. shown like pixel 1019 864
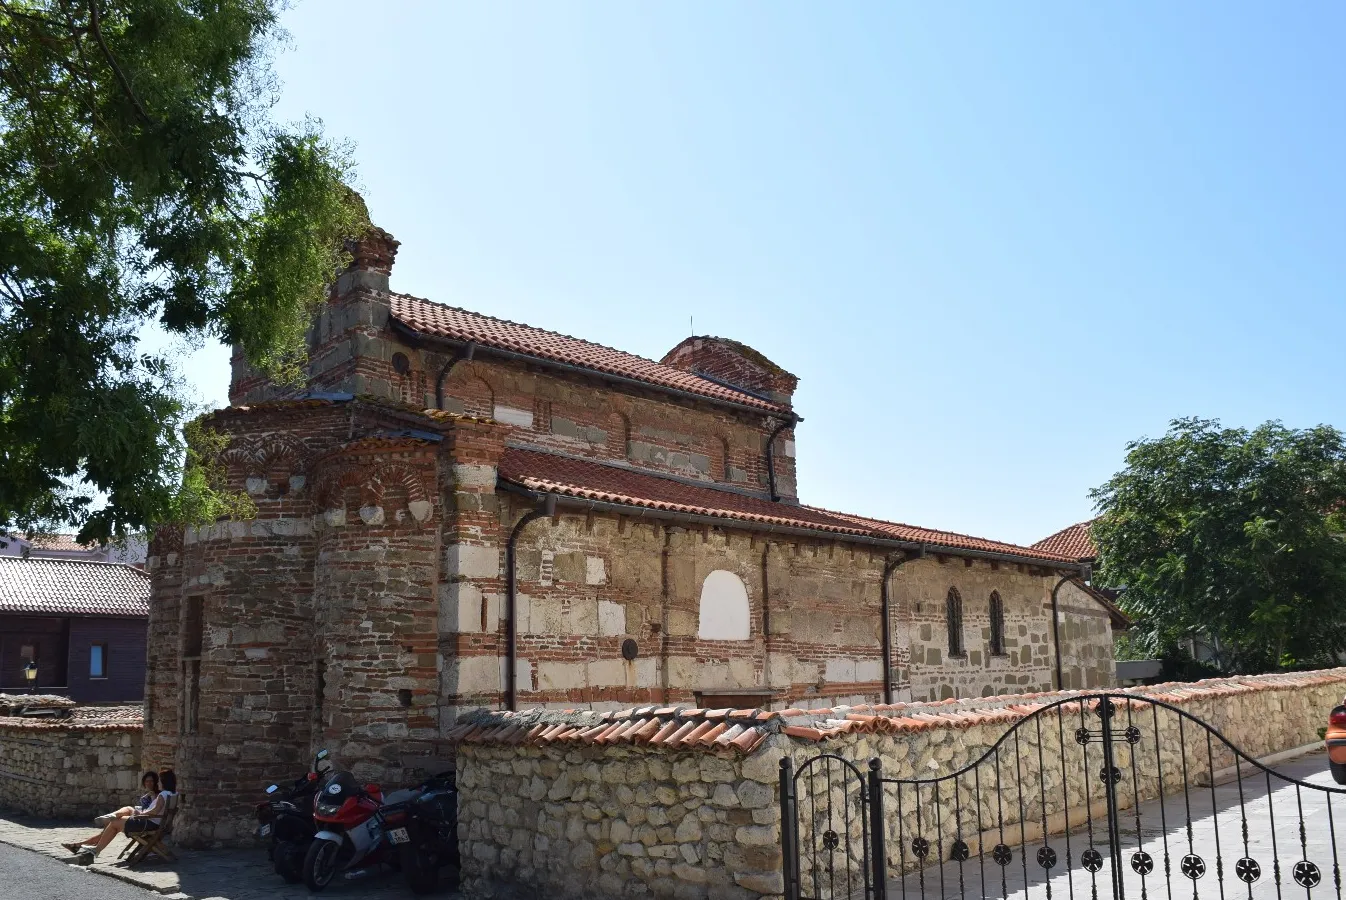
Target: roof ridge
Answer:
pixel 960 534
pixel 473 312
pixel 72 562
pixel 622 363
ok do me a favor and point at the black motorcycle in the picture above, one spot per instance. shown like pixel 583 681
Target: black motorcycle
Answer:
pixel 428 842
pixel 285 820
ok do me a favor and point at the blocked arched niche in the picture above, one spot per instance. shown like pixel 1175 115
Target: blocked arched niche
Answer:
pixel 724 608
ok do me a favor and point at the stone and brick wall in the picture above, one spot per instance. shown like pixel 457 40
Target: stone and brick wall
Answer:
pixel 68 769
pixel 364 608
pixel 589 582
pixel 313 624
pixel 662 803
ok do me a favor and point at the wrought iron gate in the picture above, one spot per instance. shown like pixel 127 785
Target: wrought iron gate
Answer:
pixel 1102 795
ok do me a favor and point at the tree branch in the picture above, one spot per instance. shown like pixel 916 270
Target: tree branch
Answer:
pixel 95 23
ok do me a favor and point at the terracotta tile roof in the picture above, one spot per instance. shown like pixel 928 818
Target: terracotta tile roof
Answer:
pixel 68 587
pixel 1073 542
pixel 590 480
pixel 744 730
pixel 452 323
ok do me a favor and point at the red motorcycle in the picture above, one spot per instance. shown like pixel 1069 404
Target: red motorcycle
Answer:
pixel 353 824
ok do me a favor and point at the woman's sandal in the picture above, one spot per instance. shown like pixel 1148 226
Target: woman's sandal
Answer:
pixel 75 847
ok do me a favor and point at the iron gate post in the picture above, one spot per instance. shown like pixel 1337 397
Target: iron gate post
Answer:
pixel 877 857
pixel 1106 708
pixel 789 831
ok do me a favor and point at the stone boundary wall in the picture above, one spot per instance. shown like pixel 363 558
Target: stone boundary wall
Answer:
pixel 68 769
pixel 664 803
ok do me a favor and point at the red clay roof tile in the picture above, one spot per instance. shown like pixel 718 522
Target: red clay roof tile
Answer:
pixel 454 324
pixel 744 730
pixel 592 480
pixel 1074 542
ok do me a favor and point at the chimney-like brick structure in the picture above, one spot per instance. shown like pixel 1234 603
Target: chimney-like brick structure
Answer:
pixel 734 363
pixel 347 345
pixel 743 367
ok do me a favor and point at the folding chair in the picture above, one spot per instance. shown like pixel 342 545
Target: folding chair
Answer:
pixel 144 844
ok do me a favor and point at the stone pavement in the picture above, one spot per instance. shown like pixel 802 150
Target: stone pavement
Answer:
pixel 197 874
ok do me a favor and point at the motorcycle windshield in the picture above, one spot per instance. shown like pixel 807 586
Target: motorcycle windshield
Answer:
pixel 336 789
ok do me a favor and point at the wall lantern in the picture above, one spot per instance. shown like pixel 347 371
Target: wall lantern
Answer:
pixel 30 674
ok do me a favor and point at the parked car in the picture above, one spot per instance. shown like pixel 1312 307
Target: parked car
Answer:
pixel 1336 743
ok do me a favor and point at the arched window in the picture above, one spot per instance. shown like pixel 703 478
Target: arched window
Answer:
pixel 997 625
pixel 724 608
pixel 953 614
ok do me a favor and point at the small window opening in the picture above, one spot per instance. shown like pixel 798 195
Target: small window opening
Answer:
pixel 193 627
pixel 997 625
pixel 953 613
pixel 98 660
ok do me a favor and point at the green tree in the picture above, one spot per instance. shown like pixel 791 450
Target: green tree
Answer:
pixel 1233 532
pixel 142 181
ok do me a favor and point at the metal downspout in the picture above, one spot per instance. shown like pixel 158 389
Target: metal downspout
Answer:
pixel 889 567
pixel 546 507
pixel 1056 628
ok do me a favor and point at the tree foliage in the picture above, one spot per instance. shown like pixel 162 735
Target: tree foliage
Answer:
pixel 141 180
pixel 1233 532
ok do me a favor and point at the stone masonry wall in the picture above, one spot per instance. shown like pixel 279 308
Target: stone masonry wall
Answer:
pixel 314 624
pixel 60 770
pixel 588 582
pixel 617 822
pixel 570 812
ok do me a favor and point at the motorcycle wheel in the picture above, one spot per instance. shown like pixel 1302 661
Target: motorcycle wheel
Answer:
pixel 289 862
pixel 320 864
pixel 421 870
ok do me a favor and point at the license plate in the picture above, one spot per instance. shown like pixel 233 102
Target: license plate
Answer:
pixel 399 836
pixel 264 831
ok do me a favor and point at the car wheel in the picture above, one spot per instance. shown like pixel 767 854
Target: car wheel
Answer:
pixel 1338 772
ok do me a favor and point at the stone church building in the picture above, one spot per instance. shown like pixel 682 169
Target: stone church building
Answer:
pixel 463 512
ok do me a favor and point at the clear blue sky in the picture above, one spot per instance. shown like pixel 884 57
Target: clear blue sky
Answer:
pixel 994 241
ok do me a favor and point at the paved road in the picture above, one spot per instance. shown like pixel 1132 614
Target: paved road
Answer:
pixel 33 876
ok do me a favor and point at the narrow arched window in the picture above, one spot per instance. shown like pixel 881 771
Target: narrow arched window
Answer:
pixel 953 613
pixel 997 625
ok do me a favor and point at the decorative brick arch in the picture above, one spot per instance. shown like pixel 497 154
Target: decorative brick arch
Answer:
pixel 395 474
pixel 330 492
pixel 467 391
pixel 285 451
pixel 240 459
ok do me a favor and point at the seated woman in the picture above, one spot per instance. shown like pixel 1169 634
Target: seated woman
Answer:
pixel 139 820
pixel 150 782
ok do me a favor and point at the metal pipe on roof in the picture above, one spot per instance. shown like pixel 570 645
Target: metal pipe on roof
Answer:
pixel 414 336
pixel 546 507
